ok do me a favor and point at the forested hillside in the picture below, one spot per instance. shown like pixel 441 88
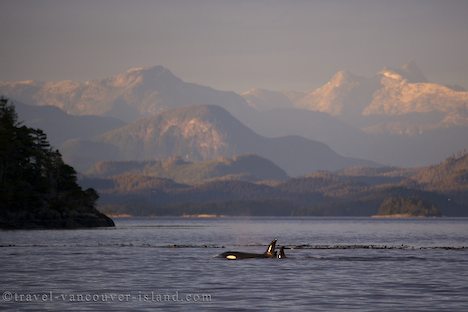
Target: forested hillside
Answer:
pixel 37 189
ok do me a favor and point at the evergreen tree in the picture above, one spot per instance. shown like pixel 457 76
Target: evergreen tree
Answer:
pixel 37 189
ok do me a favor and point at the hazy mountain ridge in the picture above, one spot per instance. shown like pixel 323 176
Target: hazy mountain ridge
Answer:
pixel 148 91
pixel 264 100
pixel 352 192
pixel 317 126
pixel 138 92
pixel 244 167
pixel 61 126
pixel 344 95
pixel 392 93
pixel 389 118
pixel 396 117
pixel 451 175
pixel 195 133
pixel 207 132
pixel 397 96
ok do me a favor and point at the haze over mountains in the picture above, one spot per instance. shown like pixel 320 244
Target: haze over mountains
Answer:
pixel 399 118
pixel 245 167
pixel 386 102
pixel 128 96
pixel 63 126
pixel 202 133
pixel 144 188
pixel 366 102
pixel 393 118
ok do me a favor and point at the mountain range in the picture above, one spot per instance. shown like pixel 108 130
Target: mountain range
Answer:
pixel 398 100
pixel 394 118
pixel 138 92
pixel 206 132
pixel 143 188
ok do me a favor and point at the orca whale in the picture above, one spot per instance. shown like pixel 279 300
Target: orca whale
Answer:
pixel 281 254
pixel 269 253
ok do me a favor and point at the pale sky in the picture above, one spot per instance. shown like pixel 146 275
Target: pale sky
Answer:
pixel 233 44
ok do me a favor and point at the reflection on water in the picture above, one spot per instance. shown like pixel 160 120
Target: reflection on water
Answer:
pixel 333 264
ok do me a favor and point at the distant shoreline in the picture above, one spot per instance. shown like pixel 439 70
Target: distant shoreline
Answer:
pixel 398 216
pixel 202 216
pixel 119 215
pixel 199 216
pixel 216 216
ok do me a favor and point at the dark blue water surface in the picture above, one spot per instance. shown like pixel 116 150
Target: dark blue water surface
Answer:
pixel 170 264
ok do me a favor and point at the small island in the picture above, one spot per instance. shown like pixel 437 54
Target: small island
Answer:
pixel 37 189
pixel 403 207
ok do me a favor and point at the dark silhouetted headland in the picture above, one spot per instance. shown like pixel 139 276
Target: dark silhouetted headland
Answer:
pixel 37 189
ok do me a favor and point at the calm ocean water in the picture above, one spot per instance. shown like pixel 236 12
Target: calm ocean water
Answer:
pixel 333 264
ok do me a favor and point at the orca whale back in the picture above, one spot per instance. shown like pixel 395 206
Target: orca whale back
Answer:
pixel 235 255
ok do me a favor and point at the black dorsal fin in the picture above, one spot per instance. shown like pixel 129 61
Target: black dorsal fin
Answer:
pixel 271 248
pixel 281 253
